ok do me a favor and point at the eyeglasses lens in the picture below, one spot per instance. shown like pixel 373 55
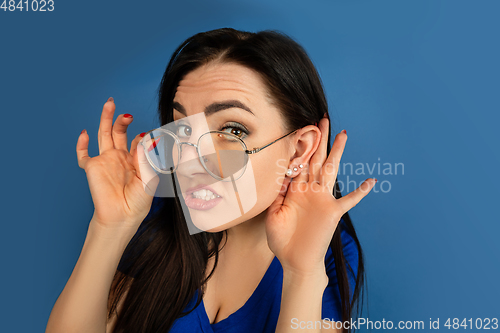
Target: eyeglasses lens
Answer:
pixel 161 149
pixel 222 155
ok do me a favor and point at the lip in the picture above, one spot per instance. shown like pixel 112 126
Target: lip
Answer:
pixel 201 204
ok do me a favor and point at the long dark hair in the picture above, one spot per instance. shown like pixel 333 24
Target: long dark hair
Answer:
pixel 165 264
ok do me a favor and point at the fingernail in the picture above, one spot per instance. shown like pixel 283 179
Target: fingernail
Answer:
pixel 316 124
pixel 344 131
pixel 84 131
pixel 110 99
pixel 153 145
pixel 127 115
pixel 375 180
pixel 142 134
pixel 324 115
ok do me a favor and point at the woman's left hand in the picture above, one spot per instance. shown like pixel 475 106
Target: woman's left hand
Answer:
pixel 302 220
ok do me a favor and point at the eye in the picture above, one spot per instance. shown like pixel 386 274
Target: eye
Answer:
pixel 184 131
pixel 235 129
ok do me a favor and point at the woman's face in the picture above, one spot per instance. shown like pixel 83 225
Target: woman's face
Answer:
pixel 237 102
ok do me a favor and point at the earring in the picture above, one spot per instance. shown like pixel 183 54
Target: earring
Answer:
pixel 301 166
pixel 289 172
pixel 295 169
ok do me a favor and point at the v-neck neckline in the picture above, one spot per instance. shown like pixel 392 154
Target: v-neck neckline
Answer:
pixel 233 318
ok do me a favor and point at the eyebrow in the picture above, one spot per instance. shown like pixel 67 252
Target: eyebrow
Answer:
pixel 216 106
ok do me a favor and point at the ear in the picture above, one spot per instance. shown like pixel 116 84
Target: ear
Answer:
pixel 306 142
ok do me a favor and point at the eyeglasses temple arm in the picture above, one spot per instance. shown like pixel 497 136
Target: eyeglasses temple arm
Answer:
pixel 256 150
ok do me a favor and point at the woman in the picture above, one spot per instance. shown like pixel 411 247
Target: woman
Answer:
pixel 290 260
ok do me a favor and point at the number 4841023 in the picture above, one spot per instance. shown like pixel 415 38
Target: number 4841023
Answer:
pixel 478 323
pixel 28 5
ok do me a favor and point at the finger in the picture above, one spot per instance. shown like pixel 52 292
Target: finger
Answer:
pixel 319 156
pixel 330 168
pixel 135 142
pixel 355 196
pixel 105 126
pixel 145 172
pixel 284 187
pixel 119 132
pixel 82 152
pixel 280 199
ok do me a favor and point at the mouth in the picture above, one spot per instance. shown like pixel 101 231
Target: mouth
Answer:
pixel 202 197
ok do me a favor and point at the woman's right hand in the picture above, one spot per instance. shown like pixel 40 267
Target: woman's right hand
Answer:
pixel 121 182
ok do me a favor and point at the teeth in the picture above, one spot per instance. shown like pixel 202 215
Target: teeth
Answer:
pixel 205 194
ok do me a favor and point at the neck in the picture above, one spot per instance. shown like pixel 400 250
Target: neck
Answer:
pixel 248 239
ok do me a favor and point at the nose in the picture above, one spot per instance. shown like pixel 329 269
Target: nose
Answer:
pixel 189 162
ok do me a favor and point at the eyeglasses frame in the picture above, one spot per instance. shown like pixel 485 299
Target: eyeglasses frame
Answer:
pixel 179 148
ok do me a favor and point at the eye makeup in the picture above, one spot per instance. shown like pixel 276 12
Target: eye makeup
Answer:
pixel 183 129
pixel 237 129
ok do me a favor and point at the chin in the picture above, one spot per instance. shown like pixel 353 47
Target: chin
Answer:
pixel 213 224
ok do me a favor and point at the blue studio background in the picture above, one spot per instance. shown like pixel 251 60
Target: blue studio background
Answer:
pixel 412 82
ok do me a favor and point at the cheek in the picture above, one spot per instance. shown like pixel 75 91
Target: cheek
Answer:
pixel 269 174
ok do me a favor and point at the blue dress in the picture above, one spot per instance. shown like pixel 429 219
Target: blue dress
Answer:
pixel 260 312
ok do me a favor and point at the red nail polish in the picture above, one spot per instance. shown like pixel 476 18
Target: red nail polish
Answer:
pixel 316 124
pixel 375 180
pixel 154 144
pixel 142 134
pixel 110 99
pixel 344 131
pixel 127 115
pixel 83 131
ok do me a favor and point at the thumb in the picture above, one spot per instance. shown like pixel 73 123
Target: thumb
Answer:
pixel 280 199
pixel 146 173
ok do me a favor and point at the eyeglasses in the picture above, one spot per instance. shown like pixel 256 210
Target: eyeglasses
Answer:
pixel 223 155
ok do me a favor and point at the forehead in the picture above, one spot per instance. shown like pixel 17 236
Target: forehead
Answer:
pixel 219 81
